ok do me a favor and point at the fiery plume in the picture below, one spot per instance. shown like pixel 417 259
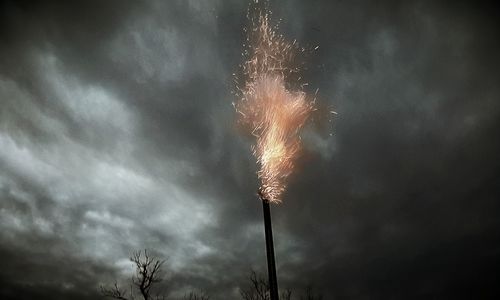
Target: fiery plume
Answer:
pixel 270 107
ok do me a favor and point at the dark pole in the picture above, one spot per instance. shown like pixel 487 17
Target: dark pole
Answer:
pixel 271 264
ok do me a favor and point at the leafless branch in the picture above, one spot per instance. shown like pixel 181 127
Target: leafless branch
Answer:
pixel 195 296
pixel 259 288
pixel 147 272
pixel 286 294
pixel 310 295
pixel 114 292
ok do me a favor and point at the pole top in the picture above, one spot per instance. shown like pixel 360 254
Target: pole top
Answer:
pixel 262 196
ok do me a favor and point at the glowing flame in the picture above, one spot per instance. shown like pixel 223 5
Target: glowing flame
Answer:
pixel 269 108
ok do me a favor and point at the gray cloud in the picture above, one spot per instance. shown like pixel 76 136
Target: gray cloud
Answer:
pixel 117 133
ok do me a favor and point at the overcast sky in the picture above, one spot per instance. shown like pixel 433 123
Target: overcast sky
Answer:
pixel 117 134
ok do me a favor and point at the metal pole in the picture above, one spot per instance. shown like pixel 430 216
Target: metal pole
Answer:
pixel 271 264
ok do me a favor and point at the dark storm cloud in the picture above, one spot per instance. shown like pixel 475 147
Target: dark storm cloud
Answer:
pixel 116 133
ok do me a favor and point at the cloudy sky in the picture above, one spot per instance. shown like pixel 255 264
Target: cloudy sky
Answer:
pixel 117 134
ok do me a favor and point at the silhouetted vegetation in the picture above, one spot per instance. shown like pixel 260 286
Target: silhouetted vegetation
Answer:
pixel 194 296
pixel 147 274
pixel 258 289
pixel 310 295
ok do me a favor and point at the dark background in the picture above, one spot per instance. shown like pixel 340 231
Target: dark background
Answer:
pixel 117 134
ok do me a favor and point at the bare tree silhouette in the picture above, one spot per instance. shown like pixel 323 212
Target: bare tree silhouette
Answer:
pixel 286 294
pixel 147 273
pixel 310 295
pixel 194 296
pixel 114 292
pixel 259 289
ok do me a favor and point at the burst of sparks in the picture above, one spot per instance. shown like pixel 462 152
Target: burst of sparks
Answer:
pixel 269 107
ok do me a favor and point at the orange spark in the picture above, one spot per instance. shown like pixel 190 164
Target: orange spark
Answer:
pixel 269 108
